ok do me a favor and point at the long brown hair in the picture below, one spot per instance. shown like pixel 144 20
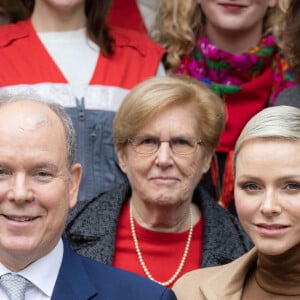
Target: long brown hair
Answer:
pixel 13 10
pixel 96 12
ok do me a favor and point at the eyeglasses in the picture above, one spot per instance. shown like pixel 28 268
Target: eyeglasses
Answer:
pixel 145 144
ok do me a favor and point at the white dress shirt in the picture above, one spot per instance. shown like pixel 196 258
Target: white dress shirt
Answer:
pixel 41 273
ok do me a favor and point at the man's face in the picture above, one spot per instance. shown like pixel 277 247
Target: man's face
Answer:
pixel 36 187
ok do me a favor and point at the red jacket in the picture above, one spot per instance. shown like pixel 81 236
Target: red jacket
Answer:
pixel 23 58
pixel 27 68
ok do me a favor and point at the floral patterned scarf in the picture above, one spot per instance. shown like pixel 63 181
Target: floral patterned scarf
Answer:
pixel 225 73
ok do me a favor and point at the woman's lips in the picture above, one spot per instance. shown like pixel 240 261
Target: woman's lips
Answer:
pixel 164 180
pixel 232 7
pixel 271 229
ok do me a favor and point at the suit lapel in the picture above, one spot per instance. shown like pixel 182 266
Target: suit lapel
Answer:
pixel 72 281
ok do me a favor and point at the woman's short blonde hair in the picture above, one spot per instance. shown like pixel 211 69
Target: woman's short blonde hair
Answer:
pixel 276 122
pixel 178 24
pixel 152 96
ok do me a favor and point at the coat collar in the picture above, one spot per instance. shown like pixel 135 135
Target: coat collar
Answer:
pixel 72 281
pixel 91 221
pixel 226 282
pixel 12 32
pixel 122 37
pixel 220 226
pixel 102 209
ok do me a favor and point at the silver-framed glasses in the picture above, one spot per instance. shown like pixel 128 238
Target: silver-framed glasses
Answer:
pixel 148 144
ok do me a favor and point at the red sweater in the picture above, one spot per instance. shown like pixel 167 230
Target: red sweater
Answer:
pixel 162 252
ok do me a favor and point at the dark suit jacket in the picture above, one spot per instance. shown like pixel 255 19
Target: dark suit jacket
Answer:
pixel 81 278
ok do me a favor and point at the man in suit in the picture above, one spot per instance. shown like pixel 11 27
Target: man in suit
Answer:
pixel 38 185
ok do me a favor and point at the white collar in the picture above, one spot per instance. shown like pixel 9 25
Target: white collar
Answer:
pixel 43 272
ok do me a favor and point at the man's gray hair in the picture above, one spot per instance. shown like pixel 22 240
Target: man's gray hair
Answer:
pixel 62 115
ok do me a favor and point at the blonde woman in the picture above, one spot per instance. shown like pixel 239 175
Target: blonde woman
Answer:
pixel 267 196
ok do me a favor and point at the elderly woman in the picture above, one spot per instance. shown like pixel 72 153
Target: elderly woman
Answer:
pixel 161 225
pixel 233 46
pixel 267 195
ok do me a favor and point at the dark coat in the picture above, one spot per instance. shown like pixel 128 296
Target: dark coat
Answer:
pixel 290 97
pixel 80 278
pixel 92 225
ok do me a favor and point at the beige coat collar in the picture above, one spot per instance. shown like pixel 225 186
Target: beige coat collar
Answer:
pixel 216 283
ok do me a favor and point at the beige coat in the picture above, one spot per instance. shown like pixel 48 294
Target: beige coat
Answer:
pixel 216 283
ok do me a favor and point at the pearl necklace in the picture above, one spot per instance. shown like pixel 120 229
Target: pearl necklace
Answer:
pixel 140 257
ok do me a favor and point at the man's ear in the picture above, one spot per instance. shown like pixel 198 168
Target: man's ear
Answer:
pixel 74 182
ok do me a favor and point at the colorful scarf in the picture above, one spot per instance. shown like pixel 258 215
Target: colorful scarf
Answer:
pixel 225 73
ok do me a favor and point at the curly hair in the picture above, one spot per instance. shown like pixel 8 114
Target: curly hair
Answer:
pixel 178 24
pixel 97 30
pixel 291 37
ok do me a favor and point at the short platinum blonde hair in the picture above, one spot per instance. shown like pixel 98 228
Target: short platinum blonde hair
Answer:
pixel 152 96
pixel 61 114
pixel 276 122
